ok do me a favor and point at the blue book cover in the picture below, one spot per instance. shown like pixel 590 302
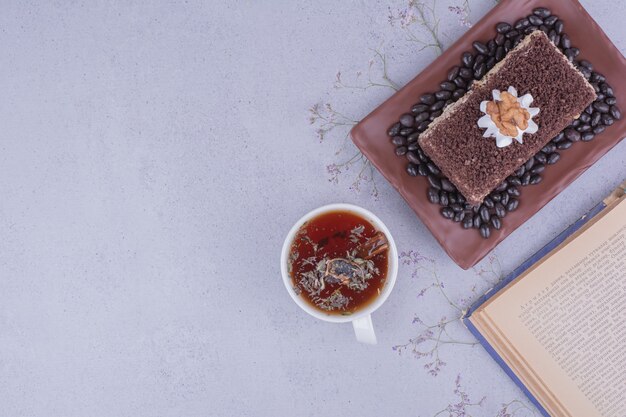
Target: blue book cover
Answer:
pixel 517 272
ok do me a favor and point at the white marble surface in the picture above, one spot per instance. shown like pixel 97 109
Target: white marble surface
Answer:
pixel 152 157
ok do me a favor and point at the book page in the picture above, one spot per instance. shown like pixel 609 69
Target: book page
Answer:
pixel 565 322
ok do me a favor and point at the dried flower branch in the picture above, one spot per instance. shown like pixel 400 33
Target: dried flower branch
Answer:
pixel 429 341
pixel 463 12
pixel 431 337
pixel 386 82
pixel 425 16
pixel 365 175
pixel 327 119
pixel 516 408
pixel 492 271
pixel 462 407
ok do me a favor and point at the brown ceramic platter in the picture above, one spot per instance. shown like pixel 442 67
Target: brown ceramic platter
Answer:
pixel 467 247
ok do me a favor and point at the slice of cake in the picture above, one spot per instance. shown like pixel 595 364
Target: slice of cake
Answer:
pixel 477 157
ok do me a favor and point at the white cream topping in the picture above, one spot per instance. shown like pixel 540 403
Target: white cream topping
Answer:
pixel 502 140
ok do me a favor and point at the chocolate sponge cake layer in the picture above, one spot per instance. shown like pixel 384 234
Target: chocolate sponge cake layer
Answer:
pixel 473 163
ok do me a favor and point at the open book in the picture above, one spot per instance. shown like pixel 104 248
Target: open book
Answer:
pixel 557 324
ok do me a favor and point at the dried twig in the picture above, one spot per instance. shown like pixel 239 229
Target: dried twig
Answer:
pixel 327 119
pixel 461 407
pixel 425 16
pixel 385 82
pixel 432 337
pixel 463 12
pixel 512 408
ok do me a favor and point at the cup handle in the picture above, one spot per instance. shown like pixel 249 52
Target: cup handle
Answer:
pixel 364 330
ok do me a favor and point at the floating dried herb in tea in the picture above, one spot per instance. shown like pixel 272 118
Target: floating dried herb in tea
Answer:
pixel 338 262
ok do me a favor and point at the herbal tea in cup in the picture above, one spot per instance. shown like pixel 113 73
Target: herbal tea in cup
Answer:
pixel 337 263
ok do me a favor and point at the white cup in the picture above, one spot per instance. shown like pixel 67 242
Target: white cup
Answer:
pixel 362 319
